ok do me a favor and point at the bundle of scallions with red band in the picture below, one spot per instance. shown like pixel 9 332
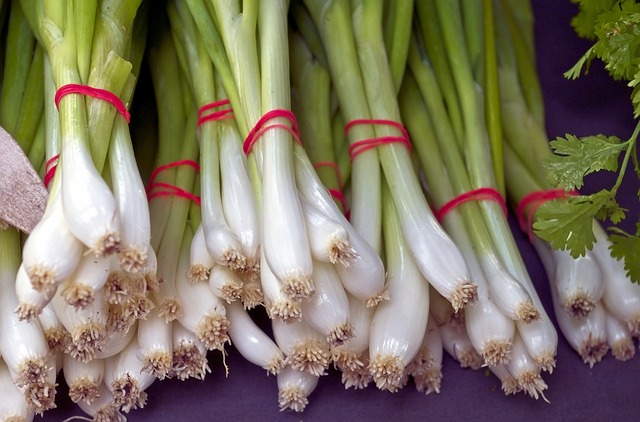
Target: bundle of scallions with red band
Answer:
pixel 595 303
pixel 95 219
pixel 336 164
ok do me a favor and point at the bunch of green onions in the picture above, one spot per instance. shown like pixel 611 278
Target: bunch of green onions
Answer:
pixel 304 160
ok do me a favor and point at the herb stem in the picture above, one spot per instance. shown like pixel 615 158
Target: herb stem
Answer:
pixel 625 161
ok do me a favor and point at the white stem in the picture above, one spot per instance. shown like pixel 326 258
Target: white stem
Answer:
pixel 619 339
pixel 252 343
pixel 225 283
pixel 131 200
pixel 83 379
pixel 506 292
pixel 57 336
pixel 491 330
pixel 87 202
pixel 328 308
pixel 89 276
pixel 364 278
pixel 23 346
pixel 621 296
pixel 31 301
pixel 200 259
pixel 238 200
pixel 586 335
pixel 117 342
pixel 306 349
pixel 526 372
pixel 124 376
pixel 578 282
pixel 360 317
pixel 103 408
pixel 189 354
pixel 294 388
pixel 328 239
pixel 457 344
pixel 88 326
pixel 13 405
pixel 155 343
pixel 284 237
pixel 278 305
pixel 51 252
pixel 509 383
pixel 222 244
pixel 204 313
pixel 399 323
pixel 540 336
pixel 426 367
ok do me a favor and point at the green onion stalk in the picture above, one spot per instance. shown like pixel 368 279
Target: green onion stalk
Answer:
pixel 82 129
pixel 585 288
pixel 224 246
pixel 229 230
pixel 479 164
pixel 353 39
pixel 286 221
pixel 490 329
pixel 311 80
pixel 21 102
pixel 253 76
pixel 527 148
pixel 308 59
pixel 23 345
pixel 169 212
pixel 252 48
pixel 67 35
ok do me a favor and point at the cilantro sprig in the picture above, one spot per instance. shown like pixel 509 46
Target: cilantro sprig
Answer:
pixel 567 224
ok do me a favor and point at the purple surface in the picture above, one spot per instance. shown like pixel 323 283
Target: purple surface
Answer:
pixel 609 391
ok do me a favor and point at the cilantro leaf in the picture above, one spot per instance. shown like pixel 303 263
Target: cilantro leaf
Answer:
pixel 626 247
pixel 568 224
pixel 615 25
pixel 611 210
pixel 584 22
pixel 585 60
pixel 618 33
pixel 577 157
pixel 635 93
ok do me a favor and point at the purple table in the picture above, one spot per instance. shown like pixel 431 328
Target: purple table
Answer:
pixel 609 391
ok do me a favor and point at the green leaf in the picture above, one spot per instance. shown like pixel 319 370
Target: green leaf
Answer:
pixel 567 224
pixel 635 93
pixel 585 60
pixel 577 157
pixel 584 22
pixel 618 33
pixel 611 210
pixel 626 247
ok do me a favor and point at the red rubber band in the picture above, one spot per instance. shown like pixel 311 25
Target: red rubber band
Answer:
pixel 170 190
pixel 101 94
pixel 162 168
pixel 335 193
pixel 50 169
pixel 226 113
pixel 480 194
pixel 333 166
pixel 366 144
pixel 259 129
pixel 529 204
